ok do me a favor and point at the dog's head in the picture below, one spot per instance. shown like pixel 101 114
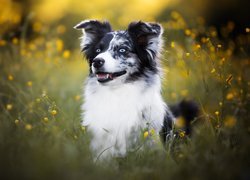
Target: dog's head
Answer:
pixel 121 56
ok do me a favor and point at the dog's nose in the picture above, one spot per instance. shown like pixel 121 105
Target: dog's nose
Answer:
pixel 98 62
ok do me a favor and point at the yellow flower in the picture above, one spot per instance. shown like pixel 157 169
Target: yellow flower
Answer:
pixel 145 134
pixel 182 134
pixel 219 45
pixel 29 83
pixel 10 77
pixel 28 127
pixel 187 54
pixel 59 45
pixel 217 113
pixel 187 32
pixel 37 26
pixel 220 103
pixel 53 112
pixel 2 42
pixel 15 41
pixel 204 40
pixel 16 121
pixel 152 132
pixel 229 96
pixel 212 49
pixel 230 121
pixel 9 107
pixel 198 46
pixel 172 44
pixel 46 119
pixel 66 54
pixel 213 70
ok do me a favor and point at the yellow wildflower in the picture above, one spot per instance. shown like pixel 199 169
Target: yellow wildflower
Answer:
pixel 213 71
pixel 2 42
pixel 28 127
pixel 16 121
pixel 15 40
pixel 53 112
pixel 10 77
pixel 198 46
pixel 172 44
pixel 9 107
pixel 145 134
pixel 46 119
pixel 229 96
pixel 187 32
pixel 217 113
pixel 152 132
pixel 29 83
pixel 230 121
pixel 66 54
pixel 37 26
pixel 59 45
pixel 187 54
pixel 182 134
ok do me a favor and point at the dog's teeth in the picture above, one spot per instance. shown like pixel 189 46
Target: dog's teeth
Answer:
pixel 107 76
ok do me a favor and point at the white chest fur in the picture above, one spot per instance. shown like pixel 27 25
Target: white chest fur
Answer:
pixel 112 114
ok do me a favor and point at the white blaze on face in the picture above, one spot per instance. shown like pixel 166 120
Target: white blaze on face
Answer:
pixel 110 64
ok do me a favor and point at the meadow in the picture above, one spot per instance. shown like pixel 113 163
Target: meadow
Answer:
pixel 41 85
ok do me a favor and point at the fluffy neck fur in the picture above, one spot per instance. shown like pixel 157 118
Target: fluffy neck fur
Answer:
pixel 116 115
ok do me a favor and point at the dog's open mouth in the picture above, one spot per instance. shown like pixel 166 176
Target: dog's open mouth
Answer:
pixel 105 76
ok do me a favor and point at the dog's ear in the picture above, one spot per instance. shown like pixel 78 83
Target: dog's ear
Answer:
pixel 146 37
pixel 93 32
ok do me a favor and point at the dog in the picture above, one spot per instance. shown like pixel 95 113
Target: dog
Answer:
pixel 122 94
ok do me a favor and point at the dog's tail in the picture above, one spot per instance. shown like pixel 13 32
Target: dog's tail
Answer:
pixel 187 111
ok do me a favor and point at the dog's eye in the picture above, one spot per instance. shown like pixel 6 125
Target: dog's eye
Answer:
pixel 122 50
pixel 98 50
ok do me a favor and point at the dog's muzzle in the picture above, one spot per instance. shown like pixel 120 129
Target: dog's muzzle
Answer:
pixel 103 77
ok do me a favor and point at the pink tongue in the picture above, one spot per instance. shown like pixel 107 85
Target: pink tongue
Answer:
pixel 104 76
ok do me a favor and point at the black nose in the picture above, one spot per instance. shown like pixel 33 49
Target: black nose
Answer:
pixel 98 62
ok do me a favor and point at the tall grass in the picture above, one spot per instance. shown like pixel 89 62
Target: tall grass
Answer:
pixel 40 117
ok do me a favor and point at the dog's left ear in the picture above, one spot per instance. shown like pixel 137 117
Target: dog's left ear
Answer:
pixel 146 36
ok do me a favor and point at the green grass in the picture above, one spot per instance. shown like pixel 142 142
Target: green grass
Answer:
pixel 41 136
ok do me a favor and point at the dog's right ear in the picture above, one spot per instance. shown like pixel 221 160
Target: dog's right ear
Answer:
pixel 93 32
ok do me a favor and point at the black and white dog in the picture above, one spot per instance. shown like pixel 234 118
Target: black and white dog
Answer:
pixel 123 91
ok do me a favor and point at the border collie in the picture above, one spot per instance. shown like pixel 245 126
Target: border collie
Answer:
pixel 123 91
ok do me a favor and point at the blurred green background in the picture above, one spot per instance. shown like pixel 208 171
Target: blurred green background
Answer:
pixel 205 58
